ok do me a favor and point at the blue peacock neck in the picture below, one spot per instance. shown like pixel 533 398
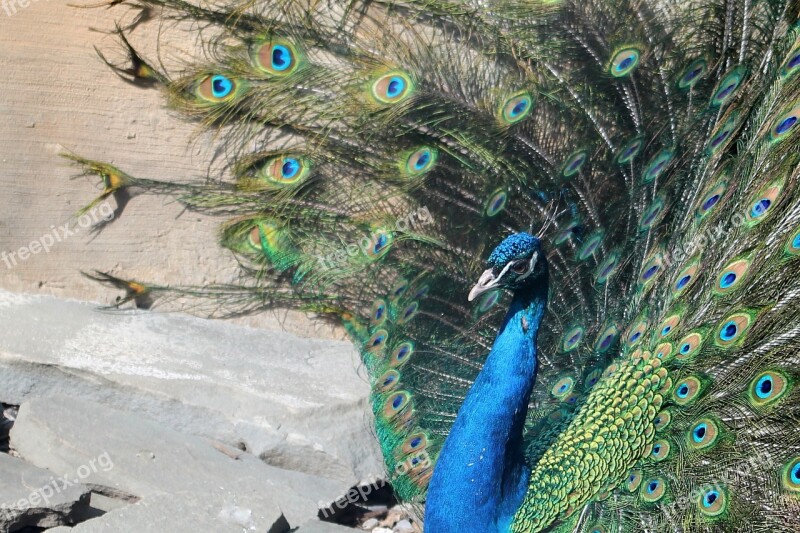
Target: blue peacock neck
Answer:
pixel 480 476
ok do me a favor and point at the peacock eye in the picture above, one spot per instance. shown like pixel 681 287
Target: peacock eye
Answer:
pixel 520 267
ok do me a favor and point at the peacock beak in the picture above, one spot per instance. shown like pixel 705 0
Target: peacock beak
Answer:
pixel 486 282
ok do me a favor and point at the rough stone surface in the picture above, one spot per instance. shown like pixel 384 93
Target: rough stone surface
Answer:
pixel 29 497
pixel 170 473
pixel 297 403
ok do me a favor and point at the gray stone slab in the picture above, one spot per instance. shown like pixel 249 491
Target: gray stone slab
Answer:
pixel 31 496
pixel 297 403
pixel 171 472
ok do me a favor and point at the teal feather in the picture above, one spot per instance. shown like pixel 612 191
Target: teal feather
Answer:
pixel 377 153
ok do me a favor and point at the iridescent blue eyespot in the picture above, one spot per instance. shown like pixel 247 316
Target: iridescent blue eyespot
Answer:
pixel 630 150
pixel 683 391
pixel 683 281
pixel 760 207
pixel 728 86
pixel 699 432
pixel 281 58
pixel 216 88
pixel 728 331
pixel 290 168
pixel 396 87
pixel 710 497
pixel 764 387
pixel 221 86
pixel 693 73
pixel 650 271
pixel 796 474
pixel 727 280
pixel 392 87
pixel 785 125
pixel 624 62
pixel 710 202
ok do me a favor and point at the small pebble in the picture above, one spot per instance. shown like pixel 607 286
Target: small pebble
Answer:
pixel 370 524
pixel 403 526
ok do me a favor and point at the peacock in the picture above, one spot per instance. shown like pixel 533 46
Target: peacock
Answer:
pixel 563 235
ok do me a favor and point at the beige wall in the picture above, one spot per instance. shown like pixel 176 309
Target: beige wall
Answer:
pixel 57 93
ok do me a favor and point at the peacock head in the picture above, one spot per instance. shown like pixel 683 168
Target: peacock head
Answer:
pixel 517 263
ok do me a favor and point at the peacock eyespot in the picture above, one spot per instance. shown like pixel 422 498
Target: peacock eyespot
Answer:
pixel 573 164
pixel 592 378
pixel 572 339
pixel 651 270
pixel 399 289
pixel 657 166
pixel 516 108
pixel 653 490
pixel 687 390
pixel 488 301
pixel 703 433
pixel 712 502
pixel 692 74
pixel 685 278
pixel 668 325
pixel 563 387
pixel 636 333
pixel 660 451
pixel 277 57
pixel 388 381
pixel 285 170
pixel 767 388
pixel 402 353
pixel 606 339
pixel 722 134
pixel 378 313
pixel 590 246
pixel 710 200
pixel 217 88
pixel 496 203
pixel 566 233
pixel 727 87
pixel 762 204
pixel 652 215
pixel 662 420
pixel 392 88
pixel 731 276
pixel 377 341
pixel 408 313
pixel 415 443
pixel 380 242
pixel 732 329
pixel 791 475
pixel 624 61
pixel 420 161
pixel 630 151
pixel 663 352
pixel 785 124
pixel 633 481
pixel 396 403
pixel 792 63
pixel 607 268
pixel 792 247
